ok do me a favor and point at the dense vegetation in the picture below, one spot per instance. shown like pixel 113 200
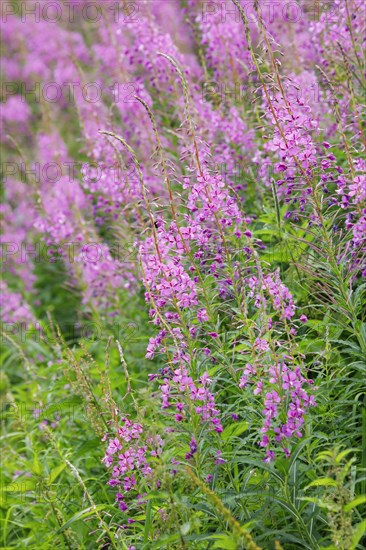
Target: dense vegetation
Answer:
pixel 183 296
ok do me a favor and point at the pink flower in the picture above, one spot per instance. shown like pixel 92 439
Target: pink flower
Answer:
pixel 219 459
pixel 202 315
pixel 261 345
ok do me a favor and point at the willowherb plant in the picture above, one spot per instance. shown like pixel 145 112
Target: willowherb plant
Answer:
pixel 224 150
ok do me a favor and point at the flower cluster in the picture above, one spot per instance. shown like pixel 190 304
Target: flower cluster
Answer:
pixel 282 391
pixel 14 308
pixel 129 455
pixel 280 296
pixel 179 391
pixel 294 128
pixel 179 142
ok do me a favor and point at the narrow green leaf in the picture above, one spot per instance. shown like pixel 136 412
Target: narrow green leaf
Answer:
pixel 322 482
pixel 148 521
pixel 56 472
pixel 224 541
pixel 359 532
pixel 82 515
pixel 356 502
